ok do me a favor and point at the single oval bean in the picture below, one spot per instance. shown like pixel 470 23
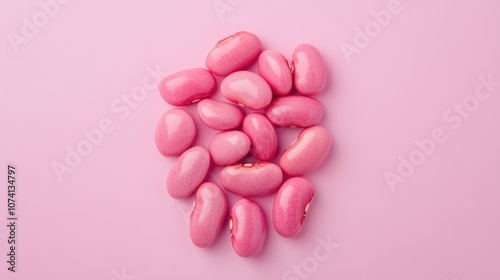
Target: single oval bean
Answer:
pixel 247 89
pixel 249 179
pixel 188 86
pixel 188 172
pixel 228 147
pixel 290 206
pixel 309 70
pixel 248 227
pixel 307 152
pixel 233 53
pixel 301 111
pixel 263 137
pixel 208 215
pixel 219 115
pixel 175 132
pixel 274 68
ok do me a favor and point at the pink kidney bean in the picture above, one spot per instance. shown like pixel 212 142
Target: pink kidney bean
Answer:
pixel 274 68
pixel 233 53
pixel 263 137
pixel 208 215
pixel 249 179
pixel 290 206
pixel 188 172
pixel 248 227
pixel 228 147
pixel 175 132
pixel 188 86
pixel 219 115
pixel 307 152
pixel 301 111
pixel 247 89
pixel 309 70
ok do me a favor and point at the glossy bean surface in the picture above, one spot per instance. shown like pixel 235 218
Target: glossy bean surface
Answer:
pixel 233 53
pixel 188 172
pixel 219 115
pixel 296 110
pixel 247 89
pixel 258 179
pixel 175 132
pixel 291 205
pixel 263 137
pixel 188 86
pixel 208 215
pixel 309 70
pixel 229 147
pixel 274 68
pixel 307 152
pixel 248 228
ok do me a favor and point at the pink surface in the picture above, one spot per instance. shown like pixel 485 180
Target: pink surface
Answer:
pixel 91 72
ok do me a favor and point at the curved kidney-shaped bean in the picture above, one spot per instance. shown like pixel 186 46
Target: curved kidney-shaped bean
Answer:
pixel 274 68
pixel 228 147
pixel 247 89
pixel 290 206
pixel 248 228
pixel 219 115
pixel 188 172
pixel 263 137
pixel 296 110
pixel 188 86
pixel 258 179
pixel 175 132
pixel 309 70
pixel 233 53
pixel 208 215
pixel 307 152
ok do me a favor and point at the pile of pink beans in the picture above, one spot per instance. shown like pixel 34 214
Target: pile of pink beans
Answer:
pixel 266 96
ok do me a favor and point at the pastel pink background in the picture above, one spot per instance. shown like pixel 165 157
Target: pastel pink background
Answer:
pixel 113 212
